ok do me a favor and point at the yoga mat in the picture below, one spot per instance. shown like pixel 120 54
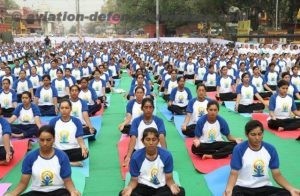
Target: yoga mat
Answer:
pixel 4 187
pixel 283 134
pixel 175 177
pixel 97 123
pixel 20 148
pixel 46 119
pixel 78 180
pixel 85 170
pixel 165 112
pixel 122 148
pixel 100 112
pixel 207 165
pixel 117 82
pixel 217 180
pixel 178 120
pixel 211 95
pixel 231 105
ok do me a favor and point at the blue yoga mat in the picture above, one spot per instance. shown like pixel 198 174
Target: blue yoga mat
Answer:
pixel 97 123
pixel 85 170
pixel 178 120
pixel 165 112
pixel 231 105
pixel 117 82
pixel 217 180
pixel 46 119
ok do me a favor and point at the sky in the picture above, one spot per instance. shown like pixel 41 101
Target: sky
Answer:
pixel 87 7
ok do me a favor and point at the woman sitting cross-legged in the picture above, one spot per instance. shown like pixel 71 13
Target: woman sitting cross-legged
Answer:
pixel 195 109
pixel 245 93
pixel 151 169
pixel 251 163
pixel 27 116
pixel 179 97
pixel 68 134
pixel 89 95
pixel 133 110
pixel 139 124
pixel 208 142
pixel 46 97
pixel 225 86
pixel 281 106
pixel 48 169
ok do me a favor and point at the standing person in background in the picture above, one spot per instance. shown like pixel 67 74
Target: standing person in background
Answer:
pixel 47 41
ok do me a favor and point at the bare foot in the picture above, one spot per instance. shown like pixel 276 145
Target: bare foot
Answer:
pixel 76 164
pixel 207 156
pixel 280 129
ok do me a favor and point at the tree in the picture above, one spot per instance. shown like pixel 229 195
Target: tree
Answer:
pixel 72 30
pixel 11 4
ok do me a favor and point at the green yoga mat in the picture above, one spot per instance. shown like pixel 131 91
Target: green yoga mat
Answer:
pixel 175 177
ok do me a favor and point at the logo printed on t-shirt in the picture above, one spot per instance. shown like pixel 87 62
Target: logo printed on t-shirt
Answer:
pixel 47 178
pixel 258 168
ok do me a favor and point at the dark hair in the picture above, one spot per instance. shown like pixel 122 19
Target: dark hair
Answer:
pixel 65 100
pixel 285 74
pixel 47 76
pixel 294 67
pixel 75 86
pixel 213 102
pixel 272 64
pixel 59 70
pixel 179 78
pixel 26 93
pixel 200 85
pixel 281 83
pixel 67 69
pixel 47 129
pixel 223 67
pixel 244 75
pixel 84 78
pixel 6 79
pixel 8 68
pixel 255 67
pixel 252 124
pixel 139 87
pixel 150 130
pixel 147 99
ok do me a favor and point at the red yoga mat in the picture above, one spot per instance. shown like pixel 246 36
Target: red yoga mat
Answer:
pixel 211 95
pixel 293 134
pixel 100 112
pixel 122 148
pixel 20 148
pixel 204 165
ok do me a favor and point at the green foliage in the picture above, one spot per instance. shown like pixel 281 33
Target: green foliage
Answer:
pixel 11 4
pixel 72 30
pixel 174 13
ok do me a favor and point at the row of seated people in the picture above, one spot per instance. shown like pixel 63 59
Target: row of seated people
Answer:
pixel 50 93
pixel 25 119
